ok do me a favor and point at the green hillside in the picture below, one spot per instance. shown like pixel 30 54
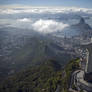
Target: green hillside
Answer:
pixel 47 77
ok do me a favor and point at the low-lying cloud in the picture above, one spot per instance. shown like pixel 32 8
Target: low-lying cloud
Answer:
pixel 48 26
pixel 43 10
pixel 24 20
pixel 40 25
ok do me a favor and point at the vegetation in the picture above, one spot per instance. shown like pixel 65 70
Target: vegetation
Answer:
pixel 69 69
pixel 29 51
pixel 42 78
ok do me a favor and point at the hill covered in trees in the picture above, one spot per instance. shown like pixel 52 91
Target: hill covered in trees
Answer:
pixel 47 77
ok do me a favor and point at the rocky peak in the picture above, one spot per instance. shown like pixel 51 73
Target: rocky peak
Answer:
pixel 82 21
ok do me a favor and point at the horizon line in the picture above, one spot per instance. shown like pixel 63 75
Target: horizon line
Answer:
pixel 29 6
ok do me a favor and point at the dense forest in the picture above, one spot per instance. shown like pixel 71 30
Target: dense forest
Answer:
pixel 47 77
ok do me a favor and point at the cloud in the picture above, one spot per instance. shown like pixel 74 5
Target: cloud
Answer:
pixel 24 20
pixel 9 11
pixel 48 26
pixel 24 23
pixel 27 9
pixel 41 25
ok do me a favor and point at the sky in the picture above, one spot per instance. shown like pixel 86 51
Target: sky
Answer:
pixel 67 3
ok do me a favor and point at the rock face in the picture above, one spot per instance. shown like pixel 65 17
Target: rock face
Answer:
pixel 82 26
pixel 89 68
pixel 89 59
pixel 82 21
pixel 88 75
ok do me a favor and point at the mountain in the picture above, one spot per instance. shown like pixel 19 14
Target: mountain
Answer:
pixel 81 29
pixel 82 25
pixel 47 77
pixel 35 79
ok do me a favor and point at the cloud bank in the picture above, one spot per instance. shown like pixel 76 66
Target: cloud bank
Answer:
pixel 26 9
pixel 48 26
pixel 41 19
pixel 24 20
pixel 41 25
